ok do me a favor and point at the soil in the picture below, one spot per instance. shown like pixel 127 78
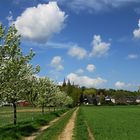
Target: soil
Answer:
pixel 67 134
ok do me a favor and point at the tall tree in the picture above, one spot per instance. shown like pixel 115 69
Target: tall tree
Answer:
pixel 14 67
pixel 64 83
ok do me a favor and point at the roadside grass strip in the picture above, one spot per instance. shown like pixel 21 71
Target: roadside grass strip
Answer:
pixel 23 114
pixel 30 123
pixel 80 130
pixel 55 130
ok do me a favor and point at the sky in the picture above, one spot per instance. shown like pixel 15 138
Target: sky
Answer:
pixel 93 43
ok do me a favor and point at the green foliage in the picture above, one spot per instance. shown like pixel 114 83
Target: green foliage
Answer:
pixel 14 70
pixel 31 94
pixel 44 92
pixel 90 91
pixel 17 76
pixel 73 91
pixel 14 67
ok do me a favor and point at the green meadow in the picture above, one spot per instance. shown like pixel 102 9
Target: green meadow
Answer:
pixel 109 122
pixel 29 121
pixel 105 123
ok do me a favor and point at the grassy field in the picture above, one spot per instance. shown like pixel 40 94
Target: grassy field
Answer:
pixel 29 120
pixel 110 122
pixel 23 114
pixel 105 123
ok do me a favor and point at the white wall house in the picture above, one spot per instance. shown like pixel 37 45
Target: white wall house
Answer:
pixel 138 100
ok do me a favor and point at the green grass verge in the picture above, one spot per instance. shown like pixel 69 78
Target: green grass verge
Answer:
pixel 80 130
pixel 54 131
pixel 23 114
pixel 113 122
pixel 29 123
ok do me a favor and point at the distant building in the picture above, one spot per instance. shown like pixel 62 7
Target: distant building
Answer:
pixel 107 99
pixel 113 100
pixel 23 103
pixel 130 99
pixel 138 99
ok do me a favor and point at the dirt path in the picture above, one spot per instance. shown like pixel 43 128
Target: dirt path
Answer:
pixel 34 135
pixel 68 131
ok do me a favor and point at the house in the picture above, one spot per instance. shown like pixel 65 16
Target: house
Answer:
pixel 85 101
pixel 138 99
pixel 23 103
pixel 125 100
pixel 107 99
pixel 130 99
pixel 113 100
pixel 91 100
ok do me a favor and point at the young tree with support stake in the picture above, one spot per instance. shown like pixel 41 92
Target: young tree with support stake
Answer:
pixel 14 67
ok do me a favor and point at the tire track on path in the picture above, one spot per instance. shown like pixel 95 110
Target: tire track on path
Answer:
pixel 35 134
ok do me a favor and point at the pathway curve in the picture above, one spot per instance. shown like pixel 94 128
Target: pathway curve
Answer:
pixel 35 134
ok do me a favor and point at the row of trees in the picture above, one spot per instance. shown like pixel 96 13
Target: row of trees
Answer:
pixel 74 91
pixel 109 92
pixel 43 92
pixel 78 94
pixel 17 76
pixel 119 96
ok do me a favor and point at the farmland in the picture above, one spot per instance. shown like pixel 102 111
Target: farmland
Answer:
pixel 104 123
pixel 109 122
pixel 29 121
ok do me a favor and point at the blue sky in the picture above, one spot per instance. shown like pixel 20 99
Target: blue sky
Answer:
pixel 93 43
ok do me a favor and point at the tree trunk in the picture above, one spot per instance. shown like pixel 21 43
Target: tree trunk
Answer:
pixel 15 113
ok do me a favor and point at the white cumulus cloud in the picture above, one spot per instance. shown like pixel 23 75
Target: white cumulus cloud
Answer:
pixel 100 48
pixel 40 23
pixel 136 32
pixel 132 56
pixel 86 81
pixel 123 85
pixel 90 67
pixel 120 85
pixel 77 52
pixel 57 63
